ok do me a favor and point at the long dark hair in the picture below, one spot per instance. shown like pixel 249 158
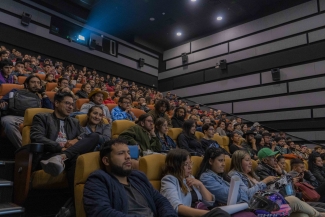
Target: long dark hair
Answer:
pixel 312 160
pixel 211 153
pixel 174 165
pixel 187 125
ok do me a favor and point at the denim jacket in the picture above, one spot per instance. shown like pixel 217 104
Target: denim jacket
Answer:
pixel 171 189
pixel 245 184
pixel 220 187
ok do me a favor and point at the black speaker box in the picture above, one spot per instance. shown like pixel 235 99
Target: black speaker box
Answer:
pixel 92 44
pixel 276 74
pixel 25 19
pixel 184 58
pixel 223 64
pixel 141 62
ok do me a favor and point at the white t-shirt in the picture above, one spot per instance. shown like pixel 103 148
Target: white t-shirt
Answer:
pixel 62 137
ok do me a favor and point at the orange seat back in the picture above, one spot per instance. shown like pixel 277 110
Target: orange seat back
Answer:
pixel 110 107
pixel 80 102
pixel 50 95
pixel 111 94
pixel 6 88
pixel 41 76
pixel 75 90
pixel 152 107
pixel 21 79
pixel 78 85
pixel 51 86
pixel 137 112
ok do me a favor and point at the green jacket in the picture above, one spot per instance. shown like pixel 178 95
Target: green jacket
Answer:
pixel 136 135
pixel 155 115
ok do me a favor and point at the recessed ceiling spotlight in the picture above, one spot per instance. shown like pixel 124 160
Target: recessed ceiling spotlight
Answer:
pixel 219 18
pixel 152 19
pixel 178 33
pixel 193 0
pixel 163 13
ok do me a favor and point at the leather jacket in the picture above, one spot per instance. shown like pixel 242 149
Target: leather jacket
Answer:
pixel 45 129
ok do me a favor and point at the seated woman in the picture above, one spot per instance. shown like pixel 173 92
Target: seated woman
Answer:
pixel 187 140
pixel 229 129
pixel 161 128
pixel 49 78
pixel 85 90
pixel 241 167
pixel 95 124
pixel 221 128
pixel 315 165
pixel 183 191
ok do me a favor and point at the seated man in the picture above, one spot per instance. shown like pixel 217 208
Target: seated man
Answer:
pixel 178 118
pixel 298 170
pixel 62 82
pixel 5 73
pixel 117 190
pixel 160 111
pixel 281 146
pixel 207 141
pixel 123 110
pixel 268 165
pixel 14 107
pixel 97 97
pixel 63 138
pixel 142 104
pixel 142 134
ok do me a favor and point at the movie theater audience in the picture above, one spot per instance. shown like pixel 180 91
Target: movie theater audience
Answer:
pixel 162 106
pixel 84 92
pixel 161 130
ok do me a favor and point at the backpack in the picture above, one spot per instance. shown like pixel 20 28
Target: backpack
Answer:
pixel 22 100
pixel 308 192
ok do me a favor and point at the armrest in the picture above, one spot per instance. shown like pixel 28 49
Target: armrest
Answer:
pixel 32 147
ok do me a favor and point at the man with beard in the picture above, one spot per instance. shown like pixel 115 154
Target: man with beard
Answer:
pixel 178 118
pixel 160 111
pixel 63 138
pixel 16 102
pixel 117 190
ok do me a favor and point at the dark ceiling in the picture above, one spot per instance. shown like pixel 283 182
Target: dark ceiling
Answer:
pixel 129 19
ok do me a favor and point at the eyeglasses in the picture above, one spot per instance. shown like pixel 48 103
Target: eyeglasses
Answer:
pixel 126 102
pixel 150 121
pixel 69 103
pixel 188 164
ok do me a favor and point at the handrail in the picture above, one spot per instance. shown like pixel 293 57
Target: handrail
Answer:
pixel 272 129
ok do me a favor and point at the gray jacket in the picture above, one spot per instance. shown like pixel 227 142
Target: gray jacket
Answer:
pixel 45 129
pixel 85 108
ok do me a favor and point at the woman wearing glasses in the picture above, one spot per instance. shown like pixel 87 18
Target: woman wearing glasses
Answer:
pixel 187 195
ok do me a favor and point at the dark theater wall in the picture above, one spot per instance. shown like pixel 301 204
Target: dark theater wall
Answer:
pixel 292 40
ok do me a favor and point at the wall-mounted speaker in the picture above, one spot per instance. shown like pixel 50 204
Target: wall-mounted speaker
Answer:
pixel 184 58
pixel 141 62
pixel 25 19
pixel 92 44
pixel 275 74
pixel 223 64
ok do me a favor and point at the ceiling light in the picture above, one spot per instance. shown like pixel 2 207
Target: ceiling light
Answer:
pixel 152 19
pixel 193 0
pixel 178 33
pixel 219 18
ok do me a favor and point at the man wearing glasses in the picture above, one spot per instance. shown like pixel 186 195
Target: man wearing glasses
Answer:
pixel 63 138
pixel 123 110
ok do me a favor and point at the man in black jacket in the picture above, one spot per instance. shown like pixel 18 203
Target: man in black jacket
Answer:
pixel 268 165
pixel 178 118
pixel 117 190
pixel 63 138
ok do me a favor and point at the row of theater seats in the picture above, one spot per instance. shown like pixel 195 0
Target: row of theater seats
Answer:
pixel 151 165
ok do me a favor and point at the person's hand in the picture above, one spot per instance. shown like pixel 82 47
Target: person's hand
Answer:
pixel 273 143
pixel 295 180
pixel 15 77
pixel 70 143
pixel 193 182
pixel 269 179
pixel 3 104
pixel 152 132
pixel 253 141
pixel 278 169
pixel 128 109
pixel 285 146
